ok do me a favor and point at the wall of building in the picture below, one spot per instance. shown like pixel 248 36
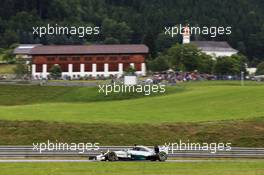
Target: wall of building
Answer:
pixel 87 65
pixel 216 54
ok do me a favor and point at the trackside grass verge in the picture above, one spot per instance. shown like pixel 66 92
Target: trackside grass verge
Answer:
pixel 243 133
pixel 249 167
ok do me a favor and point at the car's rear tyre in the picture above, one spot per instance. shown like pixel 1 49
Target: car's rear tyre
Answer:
pixel 112 156
pixel 162 156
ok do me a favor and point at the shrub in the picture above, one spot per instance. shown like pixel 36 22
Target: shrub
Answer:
pixel 55 72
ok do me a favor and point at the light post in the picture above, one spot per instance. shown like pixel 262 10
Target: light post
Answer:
pixel 242 78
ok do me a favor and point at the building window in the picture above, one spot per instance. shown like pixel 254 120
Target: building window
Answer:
pixel 113 58
pixel 50 58
pixel 125 58
pixel 113 67
pixel 100 58
pixel 88 68
pixel 126 66
pixel 76 59
pixel 64 67
pixel 76 67
pixel 63 58
pixel 100 67
pixel 38 67
pixel 138 66
pixel 49 66
pixel 88 58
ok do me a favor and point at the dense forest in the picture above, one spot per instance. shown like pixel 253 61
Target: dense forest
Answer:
pixel 135 21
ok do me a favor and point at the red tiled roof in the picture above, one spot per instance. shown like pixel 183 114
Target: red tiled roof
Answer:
pixel 90 49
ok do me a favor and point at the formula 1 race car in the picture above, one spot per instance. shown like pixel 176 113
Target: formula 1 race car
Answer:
pixel 136 153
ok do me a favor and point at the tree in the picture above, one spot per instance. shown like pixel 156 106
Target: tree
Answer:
pixel 159 64
pixel 206 64
pixel 260 69
pixel 111 40
pixel 120 31
pixel 55 72
pixel 149 40
pixel 130 71
pixel 21 70
pixel 185 57
pixel 232 65
pixel 136 21
pixel 9 37
pixel 164 42
pixel 8 56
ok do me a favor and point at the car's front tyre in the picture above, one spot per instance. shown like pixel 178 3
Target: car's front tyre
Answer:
pixel 111 156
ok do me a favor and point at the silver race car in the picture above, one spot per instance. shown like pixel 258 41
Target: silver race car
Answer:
pixel 136 153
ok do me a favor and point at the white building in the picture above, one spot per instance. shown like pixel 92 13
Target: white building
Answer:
pixel 215 48
pixel 212 48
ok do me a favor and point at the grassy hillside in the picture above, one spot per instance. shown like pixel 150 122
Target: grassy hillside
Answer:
pixel 249 167
pixel 193 102
pixel 247 133
pixel 25 95
pixel 221 111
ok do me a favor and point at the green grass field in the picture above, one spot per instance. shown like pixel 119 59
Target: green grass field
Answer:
pixel 249 167
pixel 191 102
pixel 30 95
pixel 7 68
pixel 220 111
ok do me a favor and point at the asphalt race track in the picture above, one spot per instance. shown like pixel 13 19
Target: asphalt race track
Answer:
pixel 90 161
pixel 28 152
